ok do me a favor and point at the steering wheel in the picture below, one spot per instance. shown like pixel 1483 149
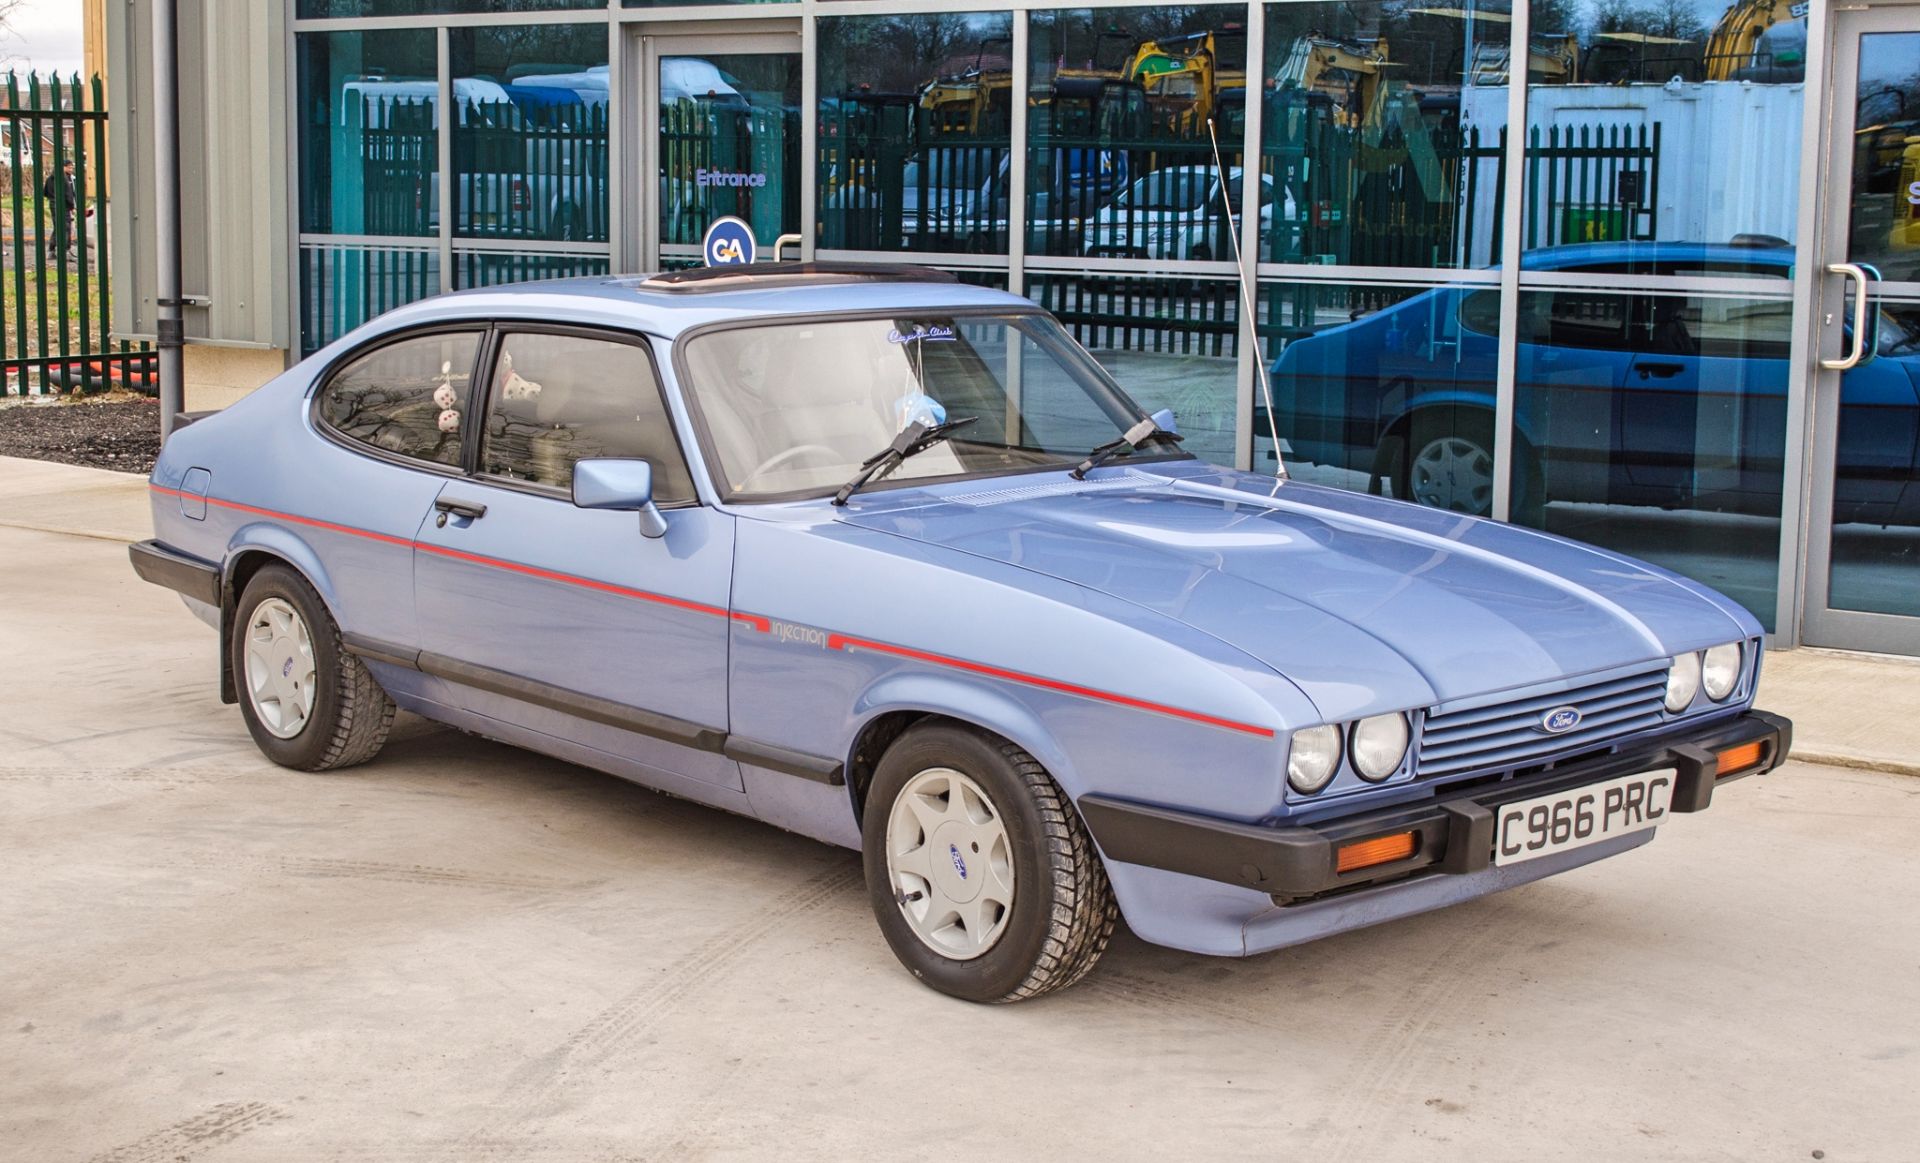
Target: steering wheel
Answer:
pixel 787 454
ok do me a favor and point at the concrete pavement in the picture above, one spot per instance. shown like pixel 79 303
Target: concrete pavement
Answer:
pixel 466 952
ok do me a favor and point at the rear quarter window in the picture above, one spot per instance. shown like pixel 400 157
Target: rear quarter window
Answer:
pixel 411 398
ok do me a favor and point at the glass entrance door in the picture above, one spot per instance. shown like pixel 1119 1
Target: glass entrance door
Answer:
pixel 724 118
pixel 1863 559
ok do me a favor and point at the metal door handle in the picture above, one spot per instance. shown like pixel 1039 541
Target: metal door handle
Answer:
pixel 1852 271
pixel 467 509
pixel 1662 370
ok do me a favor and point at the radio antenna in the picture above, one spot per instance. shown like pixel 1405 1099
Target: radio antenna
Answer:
pixel 1246 305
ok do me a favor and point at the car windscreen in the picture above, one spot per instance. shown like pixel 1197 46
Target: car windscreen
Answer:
pixel 795 408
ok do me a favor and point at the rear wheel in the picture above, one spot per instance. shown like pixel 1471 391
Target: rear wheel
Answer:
pixel 308 704
pixel 981 875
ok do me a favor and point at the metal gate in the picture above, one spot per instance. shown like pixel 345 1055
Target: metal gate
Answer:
pixel 53 252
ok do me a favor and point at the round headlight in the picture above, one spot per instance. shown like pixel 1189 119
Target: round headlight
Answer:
pixel 1379 744
pixel 1683 681
pixel 1313 757
pixel 1721 671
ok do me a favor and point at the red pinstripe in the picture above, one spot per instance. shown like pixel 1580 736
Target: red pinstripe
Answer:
pixel 759 622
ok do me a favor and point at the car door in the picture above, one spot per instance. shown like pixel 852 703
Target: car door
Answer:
pixel 389 453
pixel 1705 394
pixel 569 621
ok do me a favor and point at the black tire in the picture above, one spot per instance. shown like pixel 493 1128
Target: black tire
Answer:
pixel 1468 427
pixel 351 712
pixel 1063 912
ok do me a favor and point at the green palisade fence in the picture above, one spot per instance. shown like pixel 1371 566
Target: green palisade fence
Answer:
pixel 54 288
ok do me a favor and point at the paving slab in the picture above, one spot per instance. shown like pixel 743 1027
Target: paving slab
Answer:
pixel 465 952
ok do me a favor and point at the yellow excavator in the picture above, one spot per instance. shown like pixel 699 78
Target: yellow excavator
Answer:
pixel 1366 98
pixel 978 100
pixel 1188 83
pixel 1735 40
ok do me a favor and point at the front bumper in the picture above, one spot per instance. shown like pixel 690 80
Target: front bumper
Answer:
pixel 1453 835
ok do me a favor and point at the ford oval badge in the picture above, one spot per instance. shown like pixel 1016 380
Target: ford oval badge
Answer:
pixel 959 865
pixel 1560 720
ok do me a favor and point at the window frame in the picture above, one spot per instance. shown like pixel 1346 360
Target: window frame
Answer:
pixel 482 331
pixel 496 341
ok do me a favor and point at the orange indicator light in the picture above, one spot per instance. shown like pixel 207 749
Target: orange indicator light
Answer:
pixel 1380 850
pixel 1736 759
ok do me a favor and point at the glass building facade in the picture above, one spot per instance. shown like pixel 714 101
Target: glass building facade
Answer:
pixel 1592 294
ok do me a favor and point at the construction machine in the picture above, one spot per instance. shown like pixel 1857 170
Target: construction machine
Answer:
pixel 1737 41
pixel 1192 79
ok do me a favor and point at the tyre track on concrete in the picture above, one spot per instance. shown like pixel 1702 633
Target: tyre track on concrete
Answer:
pixel 196 1136
pixel 322 868
pixel 113 775
pixel 536 1087
pixel 1160 996
pixel 1399 1042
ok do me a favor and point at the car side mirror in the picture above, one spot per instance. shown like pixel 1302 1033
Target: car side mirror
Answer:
pixel 624 485
pixel 1163 420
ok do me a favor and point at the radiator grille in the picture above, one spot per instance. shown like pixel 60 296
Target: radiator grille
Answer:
pixel 1508 733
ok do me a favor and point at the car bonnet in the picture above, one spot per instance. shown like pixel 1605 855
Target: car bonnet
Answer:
pixel 1365 604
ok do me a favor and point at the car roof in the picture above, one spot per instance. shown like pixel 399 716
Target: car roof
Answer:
pixel 1585 254
pixel 673 303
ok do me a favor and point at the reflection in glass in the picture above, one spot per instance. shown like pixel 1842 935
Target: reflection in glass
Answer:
pixel 1876 487
pixel 915 119
pixel 343 286
pixel 1655 424
pixel 1172 343
pixel 1885 228
pixel 491 268
pixel 368 139
pixel 1362 130
pixel 1119 159
pixel 730 144
pixel 1670 122
pixel 1383 389
pixel 530 140
pixel 344 9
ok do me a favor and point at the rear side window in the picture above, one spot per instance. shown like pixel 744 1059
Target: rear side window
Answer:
pixel 408 398
pixel 558 399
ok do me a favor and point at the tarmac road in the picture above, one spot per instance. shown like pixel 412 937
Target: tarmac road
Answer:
pixel 465 952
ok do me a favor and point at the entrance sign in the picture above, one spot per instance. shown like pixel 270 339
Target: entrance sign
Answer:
pixel 729 242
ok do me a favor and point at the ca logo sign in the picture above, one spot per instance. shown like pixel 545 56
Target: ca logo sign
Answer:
pixel 729 242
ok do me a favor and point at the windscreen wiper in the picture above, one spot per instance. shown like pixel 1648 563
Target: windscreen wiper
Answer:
pixel 1135 436
pixel 915 438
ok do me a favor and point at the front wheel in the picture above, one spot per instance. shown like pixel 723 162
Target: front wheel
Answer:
pixel 981 875
pixel 308 704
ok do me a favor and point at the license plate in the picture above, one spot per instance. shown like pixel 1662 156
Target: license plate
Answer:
pixel 1553 823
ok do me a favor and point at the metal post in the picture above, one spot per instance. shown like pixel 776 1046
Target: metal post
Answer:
pixel 169 319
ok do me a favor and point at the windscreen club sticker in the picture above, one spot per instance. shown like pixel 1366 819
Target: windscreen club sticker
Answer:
pixel 921 334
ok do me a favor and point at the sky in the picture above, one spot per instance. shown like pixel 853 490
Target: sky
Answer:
pixel 43 35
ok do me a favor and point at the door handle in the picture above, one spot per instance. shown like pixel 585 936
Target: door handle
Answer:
pixel 467 509
pixel 1852 271
pixel 1659 370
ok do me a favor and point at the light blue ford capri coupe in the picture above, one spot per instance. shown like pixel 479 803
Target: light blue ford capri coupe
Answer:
pixel 891 562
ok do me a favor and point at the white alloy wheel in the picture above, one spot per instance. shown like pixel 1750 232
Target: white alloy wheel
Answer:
pixel 1453 473
pixel 949 863
pixel 280 668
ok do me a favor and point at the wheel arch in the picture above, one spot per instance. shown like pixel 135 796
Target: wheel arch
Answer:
pixel 253 549
pixel 897 705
